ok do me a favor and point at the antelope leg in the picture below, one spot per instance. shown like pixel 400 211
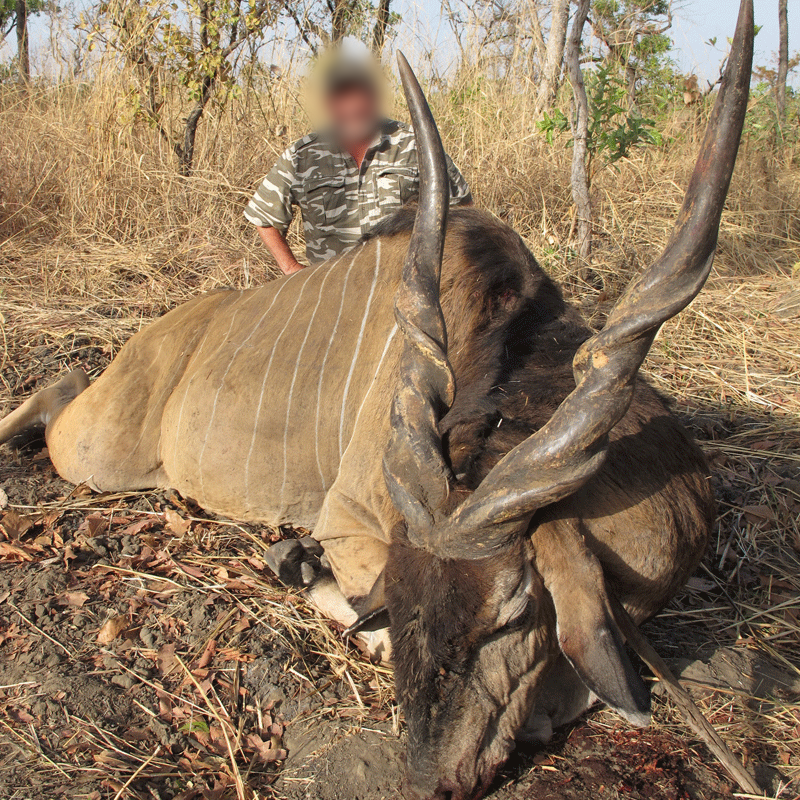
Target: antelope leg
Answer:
pixel 44 406
pixel 301 563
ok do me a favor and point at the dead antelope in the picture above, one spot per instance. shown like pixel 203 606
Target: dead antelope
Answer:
pixel 482 474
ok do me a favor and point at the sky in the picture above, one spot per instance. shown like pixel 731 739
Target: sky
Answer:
pixel 701 20
pixel 695 22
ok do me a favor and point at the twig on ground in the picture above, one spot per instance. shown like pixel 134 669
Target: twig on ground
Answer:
pixel 694 717
pixel 41 632
pixel 138 772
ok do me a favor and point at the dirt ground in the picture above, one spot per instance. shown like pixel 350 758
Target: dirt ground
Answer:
pixel 146 651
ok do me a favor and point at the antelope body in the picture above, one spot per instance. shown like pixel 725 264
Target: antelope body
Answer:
pixel 482 475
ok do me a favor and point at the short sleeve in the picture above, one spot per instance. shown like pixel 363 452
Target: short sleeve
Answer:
pixel 460 193
pixel 271 205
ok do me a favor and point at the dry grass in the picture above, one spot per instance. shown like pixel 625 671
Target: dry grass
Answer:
pixel 98 235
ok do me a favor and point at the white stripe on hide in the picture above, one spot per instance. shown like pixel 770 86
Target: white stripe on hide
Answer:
pixel 306 274
pixel 324 363
pixel 358 343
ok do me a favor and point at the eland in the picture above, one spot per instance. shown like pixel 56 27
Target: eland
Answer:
pixel 487 481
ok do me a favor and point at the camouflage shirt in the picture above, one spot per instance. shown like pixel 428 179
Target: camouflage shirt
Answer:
pixel 340 202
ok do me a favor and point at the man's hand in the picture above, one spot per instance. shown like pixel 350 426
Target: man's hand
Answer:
pixel 277 245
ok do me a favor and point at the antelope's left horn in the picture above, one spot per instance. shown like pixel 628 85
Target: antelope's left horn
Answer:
pixel 417 477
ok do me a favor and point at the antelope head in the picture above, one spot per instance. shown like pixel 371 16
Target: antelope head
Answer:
pixel 481 600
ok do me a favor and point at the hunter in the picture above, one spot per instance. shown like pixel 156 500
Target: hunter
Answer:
pixel 346 177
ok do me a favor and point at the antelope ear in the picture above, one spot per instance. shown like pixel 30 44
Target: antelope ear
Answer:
pixel 371 609
pixel 588 635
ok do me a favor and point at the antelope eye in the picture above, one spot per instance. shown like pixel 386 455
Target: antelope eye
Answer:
pixel 514 622
pixel 513 610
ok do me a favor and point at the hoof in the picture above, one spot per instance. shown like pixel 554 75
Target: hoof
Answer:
pixel 296 562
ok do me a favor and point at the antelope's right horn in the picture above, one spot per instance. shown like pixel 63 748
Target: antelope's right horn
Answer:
pixel 570 448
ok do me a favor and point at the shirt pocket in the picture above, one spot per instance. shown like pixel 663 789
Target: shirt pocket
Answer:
pixel 325 201
pixel 395 186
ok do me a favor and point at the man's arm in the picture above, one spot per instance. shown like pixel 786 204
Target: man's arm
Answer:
pixel 271 210
pixel 277 245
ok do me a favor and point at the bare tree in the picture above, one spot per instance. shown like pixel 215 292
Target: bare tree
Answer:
pixel 580 132
pixel 501 36
pixel 783 62
pixel 23 53
pixel 320 23
pixel 553 55
pixel 382 18
pixel 200 55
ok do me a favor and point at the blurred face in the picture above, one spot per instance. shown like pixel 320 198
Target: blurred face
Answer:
pixel 354 114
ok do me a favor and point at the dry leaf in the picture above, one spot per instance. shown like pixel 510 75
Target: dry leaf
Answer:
pixel 94 525
pixel 208 654
pixel 74 599
pixel 3 498
pixel 264 750
pixel 110 758
pixel 69 555
pixel 760 513
pixel 213 740
pixel 256 563
pixel 20 715
pixel 13 553
pixel 135 528
pixel 242 625
pixel 700 585
pixel 166 658
pixel 112 629
pixel 176 523
pixel 760 516
pixel 165 707
pixel 15 525
pixel 193 571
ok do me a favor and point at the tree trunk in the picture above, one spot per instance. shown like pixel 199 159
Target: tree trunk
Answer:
pixel 23 55
pixel 783 62
pixel 580 133
pixel 185 151
pixel 381 24
pixel 554 55
pixel 630 79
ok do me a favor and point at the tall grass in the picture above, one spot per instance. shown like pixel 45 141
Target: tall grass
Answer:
pixel 93 213
pixel 79 172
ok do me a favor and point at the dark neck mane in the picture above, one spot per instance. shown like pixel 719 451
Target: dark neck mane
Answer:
pixel 511 336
